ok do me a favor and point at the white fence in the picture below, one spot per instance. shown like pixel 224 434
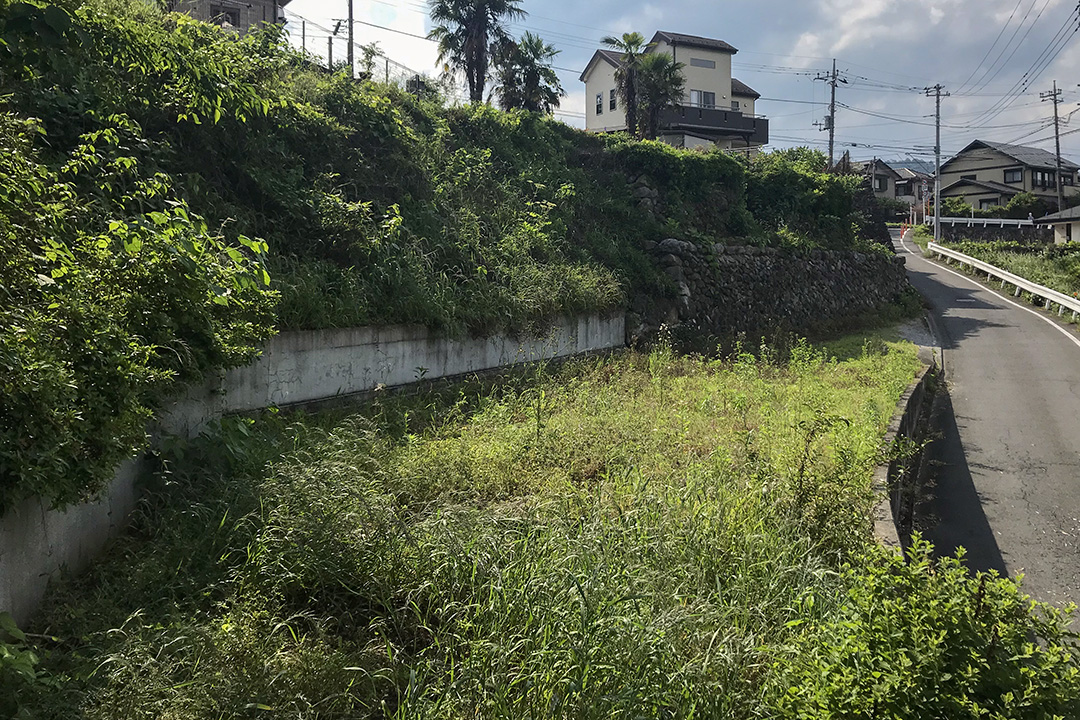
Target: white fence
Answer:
pixel 1050 297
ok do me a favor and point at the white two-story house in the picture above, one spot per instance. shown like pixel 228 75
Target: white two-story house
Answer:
pixel 717 109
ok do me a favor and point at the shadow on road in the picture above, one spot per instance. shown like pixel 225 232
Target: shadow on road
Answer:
pixel 953 514
pixel 955 301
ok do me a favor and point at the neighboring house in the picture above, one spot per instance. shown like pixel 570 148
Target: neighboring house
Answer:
pixel 716 110
pixel 240 16
pixel 882 178
pixel 913 187
pixel 1066 225
pixel 985 174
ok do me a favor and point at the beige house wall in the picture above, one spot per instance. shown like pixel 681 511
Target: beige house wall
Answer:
pixel 1067 232
pixel 602 80
pixel 987 165
pixel 746 103
pixel 706 79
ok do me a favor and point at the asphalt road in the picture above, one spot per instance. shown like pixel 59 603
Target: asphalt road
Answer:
pixel 1009 487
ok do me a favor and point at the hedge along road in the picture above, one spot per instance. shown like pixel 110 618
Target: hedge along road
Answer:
pixel 1009 487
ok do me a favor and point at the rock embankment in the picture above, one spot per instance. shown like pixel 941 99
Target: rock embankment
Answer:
pixel 727 290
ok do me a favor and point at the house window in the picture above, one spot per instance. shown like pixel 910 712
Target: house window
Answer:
pixel 600 103
pixel 612 102
pixel 735 105
pixel 881 183
pixel 222 15
pixel 1066 179
pixel 1042 179
pixel 985 204
pixel 1014 176
pixel 702 99
pixel 703 63
pixel 967 177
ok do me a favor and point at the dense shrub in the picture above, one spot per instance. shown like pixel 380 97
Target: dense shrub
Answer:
pixel 113 290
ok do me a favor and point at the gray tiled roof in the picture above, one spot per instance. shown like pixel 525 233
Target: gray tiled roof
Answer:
pixel 738 87
pixel 1072 213
pixel 693 41
pixel 1030 156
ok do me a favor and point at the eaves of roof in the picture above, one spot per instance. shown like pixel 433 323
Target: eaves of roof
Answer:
pixel 1068 215
pixel 693 41
pixel 611 58
pixel 986 185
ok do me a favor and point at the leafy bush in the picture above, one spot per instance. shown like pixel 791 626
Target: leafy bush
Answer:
pixel 113 291
pixel 792 196
pixel 925 639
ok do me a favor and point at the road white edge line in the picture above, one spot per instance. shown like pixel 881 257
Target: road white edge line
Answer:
pixel 1072 337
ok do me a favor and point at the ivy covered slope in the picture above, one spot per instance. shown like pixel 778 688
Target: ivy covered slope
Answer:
pixel 141 150
pixel 111 289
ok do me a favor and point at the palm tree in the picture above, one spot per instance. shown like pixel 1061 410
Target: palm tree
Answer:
pixel 526 79
pixel 632 46
pixel 660 85
pixel 467 31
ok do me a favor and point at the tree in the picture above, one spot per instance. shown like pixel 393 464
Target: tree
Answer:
pixel 660 85
pixel 468 31
pixel 526 79
pixel 632 46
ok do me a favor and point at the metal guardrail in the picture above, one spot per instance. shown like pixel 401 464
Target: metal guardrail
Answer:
pixel 982 222
pixel 1050 297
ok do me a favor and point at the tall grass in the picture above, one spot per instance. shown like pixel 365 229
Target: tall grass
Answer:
pixel 639 536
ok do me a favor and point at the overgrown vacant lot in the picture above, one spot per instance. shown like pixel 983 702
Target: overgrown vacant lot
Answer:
pixel 639 536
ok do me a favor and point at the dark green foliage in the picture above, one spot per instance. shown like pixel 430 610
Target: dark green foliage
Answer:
pixel 925 639
pixel 524 75
pixel 798 202
pixel 112 294
pixel 1019 207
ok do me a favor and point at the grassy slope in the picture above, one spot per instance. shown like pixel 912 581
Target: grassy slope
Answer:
pixel 1057 268
pixel 644 535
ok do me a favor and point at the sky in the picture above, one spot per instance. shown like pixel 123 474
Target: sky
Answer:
pixel 993 57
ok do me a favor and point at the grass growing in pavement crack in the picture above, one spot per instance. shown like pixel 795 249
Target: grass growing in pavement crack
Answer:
pixel 638 536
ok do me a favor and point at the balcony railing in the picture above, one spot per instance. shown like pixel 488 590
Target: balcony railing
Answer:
pixel 715 123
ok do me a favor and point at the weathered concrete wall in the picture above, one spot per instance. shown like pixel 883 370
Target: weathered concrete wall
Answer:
pixel 726 290
pixel 296 367
pixel 898 481
pixel 978 233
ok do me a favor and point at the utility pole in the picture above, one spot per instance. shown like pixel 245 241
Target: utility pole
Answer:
pixel 830 121
pixel 352 63
pixel 1055 97
pixel 330 53
pixel 936 91
pixel 303 35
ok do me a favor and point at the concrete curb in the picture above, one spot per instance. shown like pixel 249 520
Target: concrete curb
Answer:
pixel 896 482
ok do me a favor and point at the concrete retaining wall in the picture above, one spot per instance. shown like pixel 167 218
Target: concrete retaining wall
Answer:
pixel 296 367
pixel 1027 234
pixel 898 481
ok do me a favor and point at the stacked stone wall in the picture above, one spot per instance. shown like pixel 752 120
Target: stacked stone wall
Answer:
pixel 730 290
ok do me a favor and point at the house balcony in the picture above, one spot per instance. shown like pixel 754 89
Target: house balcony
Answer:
pixel 715 124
